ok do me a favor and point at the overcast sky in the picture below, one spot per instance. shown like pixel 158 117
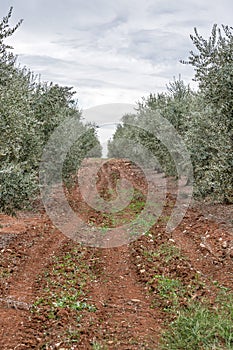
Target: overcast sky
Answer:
pixel 111 51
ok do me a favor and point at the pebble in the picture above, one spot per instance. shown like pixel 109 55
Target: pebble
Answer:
pixel 224 245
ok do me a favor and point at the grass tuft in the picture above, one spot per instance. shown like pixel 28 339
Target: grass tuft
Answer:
pixel 201 326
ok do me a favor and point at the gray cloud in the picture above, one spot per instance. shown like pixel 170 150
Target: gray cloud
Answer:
pixel 175 7
pixel 157 45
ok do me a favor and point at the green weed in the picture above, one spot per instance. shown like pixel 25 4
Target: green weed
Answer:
pixel 201 326
pixel 97 346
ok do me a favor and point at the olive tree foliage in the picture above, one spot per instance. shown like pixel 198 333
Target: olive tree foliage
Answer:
pixel 213 65
pixel 29 112
pixel 174 106
pixel 203 119
pixel 5 32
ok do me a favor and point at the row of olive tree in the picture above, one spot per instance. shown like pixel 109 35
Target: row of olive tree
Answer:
pixel 203 119
pixel 29 112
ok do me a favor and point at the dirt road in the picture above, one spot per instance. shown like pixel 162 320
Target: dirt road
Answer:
pixel 58 294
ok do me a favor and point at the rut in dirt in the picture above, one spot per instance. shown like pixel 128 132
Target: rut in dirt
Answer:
pixel 124 310
pixel 124 315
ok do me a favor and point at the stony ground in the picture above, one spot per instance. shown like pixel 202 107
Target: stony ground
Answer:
pixel 58 294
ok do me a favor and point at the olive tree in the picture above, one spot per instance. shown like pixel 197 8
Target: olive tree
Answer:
pixel 30 110
pixel 213 64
